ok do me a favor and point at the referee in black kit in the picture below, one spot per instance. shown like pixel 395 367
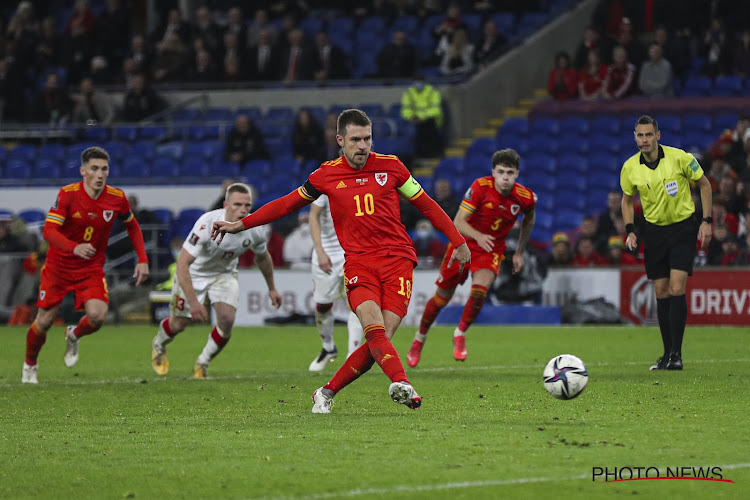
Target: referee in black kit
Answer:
pixel 662 175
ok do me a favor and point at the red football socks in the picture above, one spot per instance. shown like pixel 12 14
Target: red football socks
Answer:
pixel 355 365
pixel 431 311
pixel 473 306
pixel 35 339
pixel 384 353
pixel 84 327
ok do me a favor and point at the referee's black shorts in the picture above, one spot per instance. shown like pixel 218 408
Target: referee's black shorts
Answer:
pixel 669 247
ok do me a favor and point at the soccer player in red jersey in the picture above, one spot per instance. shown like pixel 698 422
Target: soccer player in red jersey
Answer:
pixel 77 228
pixel 363 189
pixel 488 212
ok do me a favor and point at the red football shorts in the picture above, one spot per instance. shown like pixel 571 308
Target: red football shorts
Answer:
pixel 387 281
pixel 450 277
pixel 87 284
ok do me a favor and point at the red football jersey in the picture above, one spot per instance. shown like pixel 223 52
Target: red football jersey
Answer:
pixel 85 220
pixel 492 213
pixel 365 204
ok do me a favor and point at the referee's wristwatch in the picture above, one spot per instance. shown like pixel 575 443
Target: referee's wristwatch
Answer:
pixel 708 220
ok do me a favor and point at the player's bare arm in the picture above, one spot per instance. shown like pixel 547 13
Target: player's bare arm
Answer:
pixel 324 261
pixel 141 273
pixel 270 212
pixel 485 241
pixel 197 310
pixel 462 255
pixel 704 231
pixel 527 224
pixel 265 265
pixel 628 216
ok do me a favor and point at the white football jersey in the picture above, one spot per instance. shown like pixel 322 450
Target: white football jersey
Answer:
pixel 213 258
pixel 328 237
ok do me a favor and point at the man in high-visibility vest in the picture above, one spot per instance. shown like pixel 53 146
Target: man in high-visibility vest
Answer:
pixel 421 104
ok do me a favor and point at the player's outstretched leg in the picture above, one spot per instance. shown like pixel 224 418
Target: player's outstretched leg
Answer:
pixel 403 393
pixel 73 333
pixel 71 347
pixel 355 366
pixel 471 310
pixel 217 339
pixel 324 320
pixel 35 339
pixel 431 311
pixel 159 359
pixel 322 400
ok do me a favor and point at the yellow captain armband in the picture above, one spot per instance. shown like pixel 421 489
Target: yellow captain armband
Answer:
pixel 410 188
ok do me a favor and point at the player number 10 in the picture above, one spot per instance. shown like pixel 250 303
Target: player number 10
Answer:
pixel 369 205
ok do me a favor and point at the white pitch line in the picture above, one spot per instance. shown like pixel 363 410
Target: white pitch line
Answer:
pixel 306 375
pixel 452 486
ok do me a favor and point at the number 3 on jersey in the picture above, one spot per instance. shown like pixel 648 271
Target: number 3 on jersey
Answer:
pixel 369 203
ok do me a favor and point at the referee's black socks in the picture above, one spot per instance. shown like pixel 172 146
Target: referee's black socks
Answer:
pixel 662 313
pixel 677 318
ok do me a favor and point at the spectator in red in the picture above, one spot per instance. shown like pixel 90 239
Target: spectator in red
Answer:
pixel 591 77
pixel 616 254
pixel 721 216
pixel 562 83
pixel 730 252
pixel 587 228
pixel 586 256
pixel 620 79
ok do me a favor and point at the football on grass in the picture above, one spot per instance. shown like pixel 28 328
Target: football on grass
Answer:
pixel 565 376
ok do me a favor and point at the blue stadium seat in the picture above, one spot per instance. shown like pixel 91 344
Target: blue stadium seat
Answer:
pixel 174 150
pixel 572 163
pixel 152 133
pixel 449 166
pixel 572 144
pixel 257 168
pixel 136 167
pixel 519 126
pixel 318 113
pixel 483 145
pixel 374 24
pixel 604 143
pixel 600 161
pixel 309 167
pixel 217 114
pixel 605 125
pixel 543 220
pixel 194 167
pixel 252 112
pixel 338 108
pixel 730 84
pixel 574 125
pixel 278 145
pixel 51 151
pixel 407 24
pixel 71 169
pixel 17 169
pixel 46 169
pixel 725 121
pixel 116 150
pixel 96 133
pixel 540 162
pixel 697 140
pixel 697 122
pixel 186 115
pixel 164 215
pixel 567 219
pixel 272 129
pixel 279 114
pixel 596 199
pixel 571 200
pixel 570 182
pixel 23 152
pixel 426 183
pixel 504 21
pixel 669 123
pixel 204 132
pixel 382 128
pixel 225 169
pixel 341 25
pixel 697 86
pixel 548 126
pixel 477 161
pixel 311 25
pixel 32 216
pixel 373 110
pixel 604 181
pixel 186 219
pixel 126 133
pixel 208 150
pixel 285 163
pixel 542 144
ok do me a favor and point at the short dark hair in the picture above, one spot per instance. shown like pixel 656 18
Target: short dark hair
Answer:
pixel 507 157
pixel 237 187
pixel 647 120
pixel 94 152
pixel 351 117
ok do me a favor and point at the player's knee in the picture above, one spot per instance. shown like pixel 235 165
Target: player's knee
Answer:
pixel 97 318
pixel 323 308
pixel 226 327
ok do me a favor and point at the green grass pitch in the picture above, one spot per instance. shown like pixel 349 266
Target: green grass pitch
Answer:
pixel 111 428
